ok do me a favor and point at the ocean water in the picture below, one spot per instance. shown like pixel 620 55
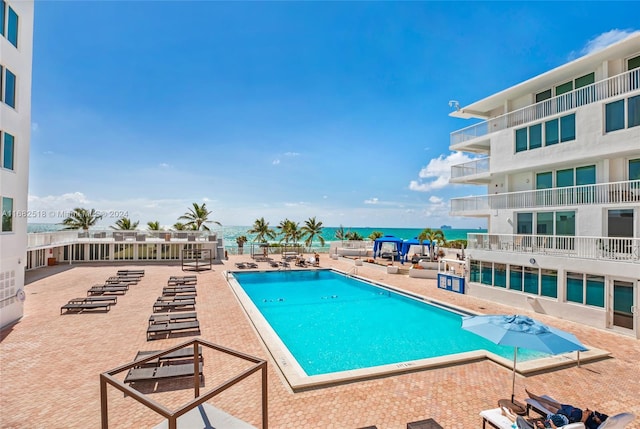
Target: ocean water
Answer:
pixel 230 233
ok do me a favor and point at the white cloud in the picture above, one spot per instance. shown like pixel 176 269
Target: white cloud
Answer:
pixel 292 154
pixel 602 41
pixel 276 162
pixel 435 200
pixel 371 201
pixel 438 171
pixel 163 165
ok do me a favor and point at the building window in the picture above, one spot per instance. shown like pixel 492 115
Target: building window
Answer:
pixel 515 277
pixel 633 63
pixel 585 80
pixel 2 7
pixel 9 88
pixel 549 283
pixel 531 280
pixel 500 275
pixel 595 291
pixel 524 223
pixel 556 130
pixel 535 136
pixel 634 169
pixel 585 289
pixel 575 287
pixel 564 88
pixel 544 223
pixel 12 27
pixel 486 273
pixel 521 140
pixel 633 111
pixel 7 214
pixel 474 271
pixel 551 132
pixel 567 128
pixel 615 114
pixel 544 95
pixel 7 150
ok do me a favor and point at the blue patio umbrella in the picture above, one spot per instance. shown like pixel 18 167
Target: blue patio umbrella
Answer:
pixel 522 331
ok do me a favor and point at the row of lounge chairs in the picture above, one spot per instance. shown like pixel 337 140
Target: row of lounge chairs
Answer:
pixel 100 298
pixel 174 311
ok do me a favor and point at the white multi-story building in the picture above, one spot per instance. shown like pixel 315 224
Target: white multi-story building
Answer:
pixel 559 155
pixel 16 46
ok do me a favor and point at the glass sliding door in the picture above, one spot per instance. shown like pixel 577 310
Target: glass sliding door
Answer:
pixel 623 299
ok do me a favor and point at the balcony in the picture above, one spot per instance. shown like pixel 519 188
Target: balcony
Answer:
pixel 596 248
pixel 598 91
pixel 601 193
pixel 477 167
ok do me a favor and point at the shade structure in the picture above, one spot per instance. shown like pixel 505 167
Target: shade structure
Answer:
pixel 522 332
pixel 406 245
pixel 377 244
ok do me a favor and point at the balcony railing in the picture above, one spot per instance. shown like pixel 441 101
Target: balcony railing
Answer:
pixel 611 87
pixel 470 168
pixel 602 193
pixel 598 248
pixel 60 238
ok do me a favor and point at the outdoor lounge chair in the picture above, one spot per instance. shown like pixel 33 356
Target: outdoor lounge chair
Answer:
pixel 176 297
pixel 496 418
pixel 617 421
pixel 123 279
pixel 112 299
pixel 172 317
pixel 81 307
pixel 183 305
pixel 164 372
pixel 182 281
pixel 158 329
pixel 138 273
pixel 173 290
pixel 179 355
pixel 107 290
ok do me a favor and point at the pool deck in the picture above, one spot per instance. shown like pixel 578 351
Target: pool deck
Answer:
pixel 49 363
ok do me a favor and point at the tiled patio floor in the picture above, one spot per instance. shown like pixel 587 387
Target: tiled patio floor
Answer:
pixel 50 364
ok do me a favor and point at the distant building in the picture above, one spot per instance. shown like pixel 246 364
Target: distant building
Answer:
pixel 16 47
pixel 560 159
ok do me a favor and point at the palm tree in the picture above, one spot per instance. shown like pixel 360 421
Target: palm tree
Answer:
pixel 289 231
pixel 240 241
pixel 340 233
pixel 355 236
pixel 311 230
pixel 197 217
pixel 125 224
pixel 375 235
pixel 81 218
pixel 153 226
pixel 179 226
pixel 262 231
pixel 434 236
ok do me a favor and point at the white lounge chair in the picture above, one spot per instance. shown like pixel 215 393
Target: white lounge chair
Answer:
pixel 618 421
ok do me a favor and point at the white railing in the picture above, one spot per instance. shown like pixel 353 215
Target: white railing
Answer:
pixel 611 87
pixel 601 193
pixel 59 238
pixel 607 248
pixel 476 166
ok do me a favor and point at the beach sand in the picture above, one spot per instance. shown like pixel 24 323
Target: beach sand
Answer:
pixel 50 364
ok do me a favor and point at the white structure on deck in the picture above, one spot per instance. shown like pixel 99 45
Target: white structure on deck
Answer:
pixel 16 42
pixel 49 248
pixel 559 155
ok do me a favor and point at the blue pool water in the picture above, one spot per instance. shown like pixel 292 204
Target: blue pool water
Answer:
pixel 330 322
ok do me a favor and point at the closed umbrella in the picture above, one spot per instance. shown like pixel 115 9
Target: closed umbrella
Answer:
pixel 522 331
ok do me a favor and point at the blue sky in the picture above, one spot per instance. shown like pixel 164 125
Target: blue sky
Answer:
pixel 336 110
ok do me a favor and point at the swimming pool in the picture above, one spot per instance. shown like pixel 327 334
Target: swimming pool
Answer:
pixel 320 323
